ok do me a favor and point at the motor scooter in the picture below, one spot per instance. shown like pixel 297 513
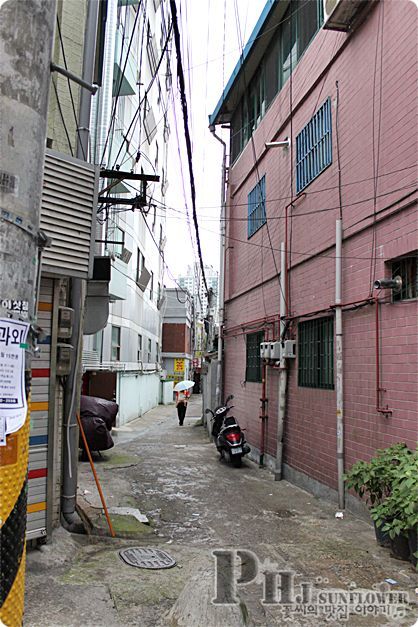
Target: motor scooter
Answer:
pixel 228 435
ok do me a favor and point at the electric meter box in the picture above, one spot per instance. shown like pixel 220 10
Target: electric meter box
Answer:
pixel 265 350
pixel 65 322
pixel 275 350
pixel 64 359
pixel 289 349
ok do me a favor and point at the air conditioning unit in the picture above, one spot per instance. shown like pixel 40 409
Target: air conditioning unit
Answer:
pixel 344 15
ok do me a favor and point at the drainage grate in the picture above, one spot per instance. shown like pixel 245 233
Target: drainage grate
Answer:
pixel 147 558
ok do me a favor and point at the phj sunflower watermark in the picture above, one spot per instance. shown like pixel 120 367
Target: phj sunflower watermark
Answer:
pixel 235 569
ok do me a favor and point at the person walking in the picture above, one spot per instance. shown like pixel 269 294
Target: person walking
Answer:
pixel 181 404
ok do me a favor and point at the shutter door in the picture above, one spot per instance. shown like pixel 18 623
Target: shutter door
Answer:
pixel 39 405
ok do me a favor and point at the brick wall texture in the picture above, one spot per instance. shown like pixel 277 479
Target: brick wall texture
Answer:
pixel 176 338
pixel 376 71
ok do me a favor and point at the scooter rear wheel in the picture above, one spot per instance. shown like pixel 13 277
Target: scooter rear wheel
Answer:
pixel 236 461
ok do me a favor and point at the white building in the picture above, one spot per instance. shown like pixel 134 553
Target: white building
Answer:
pixel 130 132
pixel 193 282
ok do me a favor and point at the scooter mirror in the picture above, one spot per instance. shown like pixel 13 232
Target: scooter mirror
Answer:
pixel 207 411
pixel 230 397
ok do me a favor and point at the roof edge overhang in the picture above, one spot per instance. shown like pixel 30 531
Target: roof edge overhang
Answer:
pixel 248 61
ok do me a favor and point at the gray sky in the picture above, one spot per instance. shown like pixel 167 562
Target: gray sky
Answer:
pixel 207 70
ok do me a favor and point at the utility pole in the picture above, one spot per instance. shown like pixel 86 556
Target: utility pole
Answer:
pixel 77 296
pixel 26 35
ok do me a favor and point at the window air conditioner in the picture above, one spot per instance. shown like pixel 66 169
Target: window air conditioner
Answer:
pixel 344 15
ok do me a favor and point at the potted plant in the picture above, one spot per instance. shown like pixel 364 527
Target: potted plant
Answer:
pixel 373 480
pixel 397 515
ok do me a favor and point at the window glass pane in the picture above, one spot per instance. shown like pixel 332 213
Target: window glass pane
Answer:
pixel 115 346
pixel 288 45
pixel 307 23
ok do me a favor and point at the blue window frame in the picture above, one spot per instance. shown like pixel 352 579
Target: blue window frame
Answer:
pixel 314 147
pixel 257 207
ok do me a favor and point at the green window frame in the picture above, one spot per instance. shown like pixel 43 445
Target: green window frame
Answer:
pixel 253 359
pixel 316 353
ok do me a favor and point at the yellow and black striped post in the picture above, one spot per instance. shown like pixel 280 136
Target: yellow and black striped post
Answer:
pixel 26 37
pixel 13 498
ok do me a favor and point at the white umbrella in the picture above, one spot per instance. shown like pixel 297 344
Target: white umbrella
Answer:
pixel 183 385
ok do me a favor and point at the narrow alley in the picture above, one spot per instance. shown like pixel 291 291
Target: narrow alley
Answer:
pixel 197 504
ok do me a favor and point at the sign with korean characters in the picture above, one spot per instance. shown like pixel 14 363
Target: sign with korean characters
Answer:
pixel 179 365
pixel 13 405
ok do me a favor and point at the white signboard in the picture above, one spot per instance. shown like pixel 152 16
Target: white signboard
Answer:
pixel 13 405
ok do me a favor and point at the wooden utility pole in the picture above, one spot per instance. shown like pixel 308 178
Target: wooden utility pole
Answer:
pixel 26 35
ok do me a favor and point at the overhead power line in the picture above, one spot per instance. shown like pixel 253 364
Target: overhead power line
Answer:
pixel 180 76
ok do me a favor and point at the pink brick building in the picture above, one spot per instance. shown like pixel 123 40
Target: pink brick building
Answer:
pixel 347 102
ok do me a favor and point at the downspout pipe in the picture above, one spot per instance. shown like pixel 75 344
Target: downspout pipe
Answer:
pixel 263 415
pixel 69 517
pixel 278 474
pixel 218 390
pixel 339 363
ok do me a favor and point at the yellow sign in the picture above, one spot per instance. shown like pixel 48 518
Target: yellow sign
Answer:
pixel 179 365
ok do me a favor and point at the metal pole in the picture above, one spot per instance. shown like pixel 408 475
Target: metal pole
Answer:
pixel 73 77
pixel 339 363
pixel 278 474
pixel 218 392
pixel 77 297
pixel 26 36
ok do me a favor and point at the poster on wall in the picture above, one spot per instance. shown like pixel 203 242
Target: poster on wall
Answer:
pixel 179 365
pixel 13 405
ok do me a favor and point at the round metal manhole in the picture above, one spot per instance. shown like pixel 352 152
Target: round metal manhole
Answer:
pixel 141 557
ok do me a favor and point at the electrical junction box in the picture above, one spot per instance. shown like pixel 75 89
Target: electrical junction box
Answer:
pixel 275 350
pixel 265 350
pixel 65 322
pixel 64 358
pixel 288 349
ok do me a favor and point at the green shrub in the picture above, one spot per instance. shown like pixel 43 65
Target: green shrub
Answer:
pixel 374 479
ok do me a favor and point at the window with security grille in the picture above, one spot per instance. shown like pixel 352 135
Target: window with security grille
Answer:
pixel 253 369
pixel 316 353
pixel 407 269
pixel 314 147
pixel 257 207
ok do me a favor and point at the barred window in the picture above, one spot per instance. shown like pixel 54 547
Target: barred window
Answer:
pixel 257 207
pixel 253 369
pixel 314 147
pixel 407 269
pixel 316 353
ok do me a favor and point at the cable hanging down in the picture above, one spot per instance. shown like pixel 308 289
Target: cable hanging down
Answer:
pixel 180 76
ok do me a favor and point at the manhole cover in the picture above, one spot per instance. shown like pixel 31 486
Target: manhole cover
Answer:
pixel 147 558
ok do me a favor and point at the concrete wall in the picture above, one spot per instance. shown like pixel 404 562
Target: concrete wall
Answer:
pixel 72 17
pixel 136 394
pixel 376 126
